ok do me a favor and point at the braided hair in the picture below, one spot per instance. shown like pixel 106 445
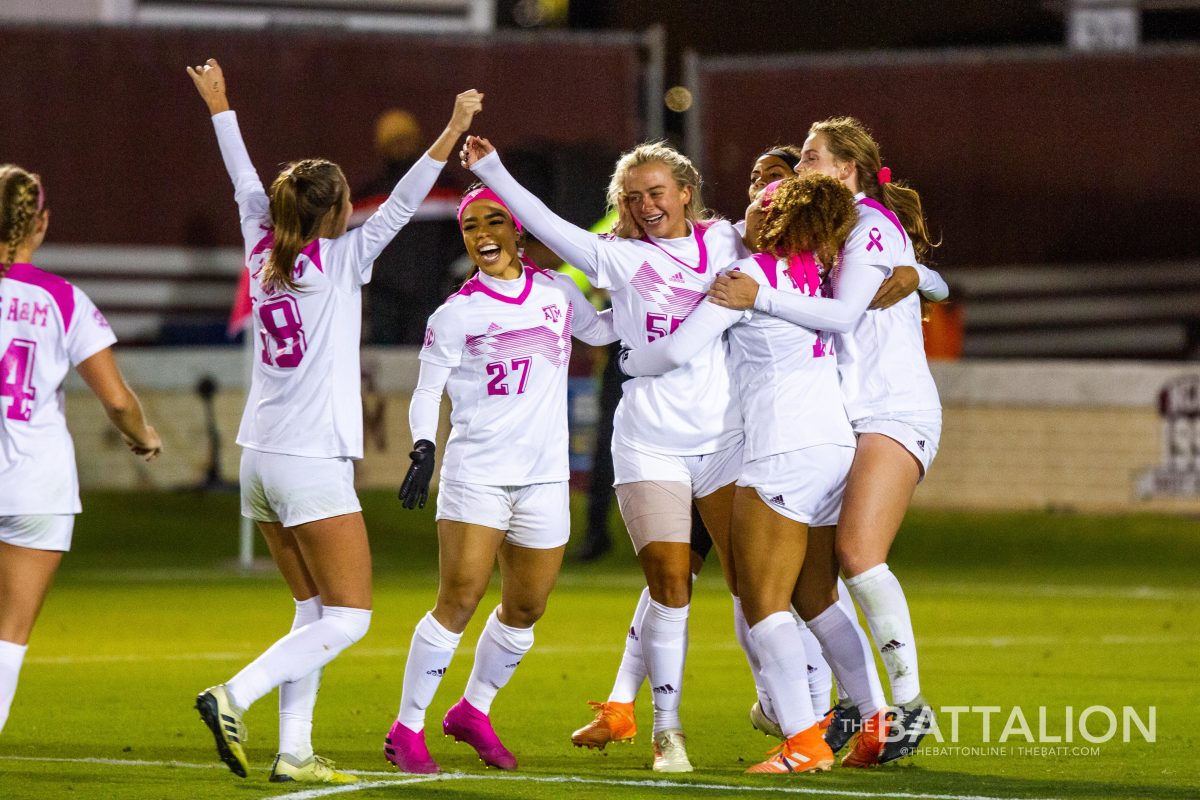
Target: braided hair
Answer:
pixel 20 202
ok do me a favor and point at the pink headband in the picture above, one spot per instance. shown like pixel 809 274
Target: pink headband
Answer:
pixel 484 193
pixel 768 193
pixel 884 175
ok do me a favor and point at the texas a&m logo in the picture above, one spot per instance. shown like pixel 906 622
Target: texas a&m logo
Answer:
pixel 552 313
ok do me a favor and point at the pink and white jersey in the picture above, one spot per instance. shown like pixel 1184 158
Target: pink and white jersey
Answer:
pixel 305 390
pixel 46 327
pixel 654 284
pixel 786 375
pixel 507 344
pixel 882 358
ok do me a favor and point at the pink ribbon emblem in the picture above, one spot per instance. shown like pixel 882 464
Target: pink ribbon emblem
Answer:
pixel 876 240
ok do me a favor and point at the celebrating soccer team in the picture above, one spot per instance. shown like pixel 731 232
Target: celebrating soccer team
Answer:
pixel 778 385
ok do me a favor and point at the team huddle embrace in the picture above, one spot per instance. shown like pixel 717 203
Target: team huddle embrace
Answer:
pixel 777 388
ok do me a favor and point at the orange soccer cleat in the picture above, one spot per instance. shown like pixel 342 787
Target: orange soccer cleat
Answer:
pixel 614 722
pixel 866 746
pixel 804 752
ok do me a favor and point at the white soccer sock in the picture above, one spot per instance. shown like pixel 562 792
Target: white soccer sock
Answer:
pixel 820 676
pixel 497 655
pixel 847 604
pixel 741 631
pixel 429 655
pixel 12 655
pixel 297 698
pixel 299 653
pixel 664 646
pixel 848 652
pixel 632 671
pixel 879 595
pixel 781 653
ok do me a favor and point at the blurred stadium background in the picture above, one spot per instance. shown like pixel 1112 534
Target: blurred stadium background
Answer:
pixel 1053 142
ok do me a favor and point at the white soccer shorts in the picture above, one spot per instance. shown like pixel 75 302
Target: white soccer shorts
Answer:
pixel 38 531
pixel 537 516
pixel 919 432
pixel 805 485
pixel 293 490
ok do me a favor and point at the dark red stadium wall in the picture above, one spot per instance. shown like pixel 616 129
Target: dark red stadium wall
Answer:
pixel 110 118
pixel 1040 157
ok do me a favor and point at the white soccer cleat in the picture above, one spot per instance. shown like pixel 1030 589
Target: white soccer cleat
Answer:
pixel 763 723
pixel 670 752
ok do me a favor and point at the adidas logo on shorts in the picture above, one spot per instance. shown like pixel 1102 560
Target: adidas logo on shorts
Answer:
pixel 777 499
pixel 921 444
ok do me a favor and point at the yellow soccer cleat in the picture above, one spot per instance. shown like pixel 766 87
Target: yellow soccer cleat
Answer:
pixel 224 719
pixel 313 769
pixel 804 752
pixel 614 722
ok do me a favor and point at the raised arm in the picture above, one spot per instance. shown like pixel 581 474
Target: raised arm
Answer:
pixel 368 241
pixel 571 243
pixel 253 206
pixel 666 353
pixel 124 410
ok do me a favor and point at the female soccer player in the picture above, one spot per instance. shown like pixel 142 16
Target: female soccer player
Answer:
pixel 499 346
pixel 675 437
pixel 46 327
pixel 302 426
pixel 799 447
pixel 890 398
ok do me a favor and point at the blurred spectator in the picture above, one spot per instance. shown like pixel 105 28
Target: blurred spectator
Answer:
pixel 411 271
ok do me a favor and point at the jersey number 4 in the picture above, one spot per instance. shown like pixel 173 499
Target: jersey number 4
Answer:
pixel 500 370
pixel 16 378
pixel 283 332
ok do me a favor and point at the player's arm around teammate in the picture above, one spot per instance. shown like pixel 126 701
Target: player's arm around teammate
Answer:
pixel 676 436
pixel 302 426
pixel 890 398
pixel 54 327
pixel 499 347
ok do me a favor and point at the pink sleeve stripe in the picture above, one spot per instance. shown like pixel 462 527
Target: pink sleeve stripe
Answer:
pixel 62 292
pixel 887 212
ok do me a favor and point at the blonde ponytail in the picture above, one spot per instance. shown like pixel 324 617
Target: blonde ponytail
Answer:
pixel 301 196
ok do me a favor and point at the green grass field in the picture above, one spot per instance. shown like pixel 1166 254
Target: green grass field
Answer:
pixel 1011 610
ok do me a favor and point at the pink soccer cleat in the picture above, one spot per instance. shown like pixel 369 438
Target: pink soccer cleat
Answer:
pixel 406 749
pixel 468 724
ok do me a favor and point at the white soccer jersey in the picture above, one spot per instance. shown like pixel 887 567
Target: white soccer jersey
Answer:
pixel 46 326
pixel 882 359
pixel 507 344
pixel 654 284
pixel 785 375
pixel 305 392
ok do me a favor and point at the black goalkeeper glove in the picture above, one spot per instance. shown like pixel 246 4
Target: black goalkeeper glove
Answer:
pixel 415 489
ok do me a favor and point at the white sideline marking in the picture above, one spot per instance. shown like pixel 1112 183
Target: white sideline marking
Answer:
pixel 308 794
pixel 402 652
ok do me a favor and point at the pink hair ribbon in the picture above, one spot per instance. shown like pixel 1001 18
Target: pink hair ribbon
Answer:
pixel 884 175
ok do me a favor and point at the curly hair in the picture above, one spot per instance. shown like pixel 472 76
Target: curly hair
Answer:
pixel 810 212
pixel 20 202
pixel 302 196
pixel 682 170
pixel 849 140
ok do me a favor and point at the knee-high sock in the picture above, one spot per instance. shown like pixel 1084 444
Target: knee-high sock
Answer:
pixel 664 647
pixel 632 671
pixel 848 652
pixel 12 655
pixel 820 676
pixel 429 655
pixel 781 653
pixel 741 631
pixel 297 698
pixel 882 601
pixel 847 604
pixel 497 655
pixel 299 653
